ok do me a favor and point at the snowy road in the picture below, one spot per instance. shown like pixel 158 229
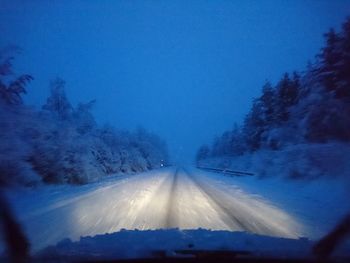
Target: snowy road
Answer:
pixel 166 198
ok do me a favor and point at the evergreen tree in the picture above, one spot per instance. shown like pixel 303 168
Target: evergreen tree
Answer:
pixel 268 103
pixel 11 91
pixel 83 118
pixel 202 153
pixel 253 126
pixel 329 57
pixel 343 74
pixel 236 144
pixel 57 103
pixel 287 96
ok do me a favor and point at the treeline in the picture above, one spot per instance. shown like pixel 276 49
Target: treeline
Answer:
pixel 63 144
pixel 308 107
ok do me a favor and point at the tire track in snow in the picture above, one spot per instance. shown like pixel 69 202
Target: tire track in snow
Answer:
pixel 251 214
pixel 172 214
pixel 225 213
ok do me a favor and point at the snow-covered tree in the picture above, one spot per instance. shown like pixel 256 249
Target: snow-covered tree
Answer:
pixel 16 125
pixel 302 108
pixel 253 126
pixel 287 91
pixel 83 117
pixel 57 103
pixel 203 153
pixel 11 88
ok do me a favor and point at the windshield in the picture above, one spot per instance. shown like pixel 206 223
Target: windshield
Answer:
pixel 140 129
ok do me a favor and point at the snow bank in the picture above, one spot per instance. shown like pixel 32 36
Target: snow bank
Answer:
pixel 294 161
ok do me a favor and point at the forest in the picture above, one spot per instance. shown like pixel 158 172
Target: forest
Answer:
pixel 62 143
pixel 302 108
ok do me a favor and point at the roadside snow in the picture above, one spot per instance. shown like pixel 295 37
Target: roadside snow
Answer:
pixel 301 161
pixel 318 205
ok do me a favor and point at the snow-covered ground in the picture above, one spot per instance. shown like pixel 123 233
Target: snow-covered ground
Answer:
pixel 317 205
pixel 300 161
pixel 180 198
pixel 310 181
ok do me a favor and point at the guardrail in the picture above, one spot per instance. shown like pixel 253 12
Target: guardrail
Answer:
pixel 226 171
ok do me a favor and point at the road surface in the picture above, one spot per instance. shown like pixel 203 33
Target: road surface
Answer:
pixel 184 198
